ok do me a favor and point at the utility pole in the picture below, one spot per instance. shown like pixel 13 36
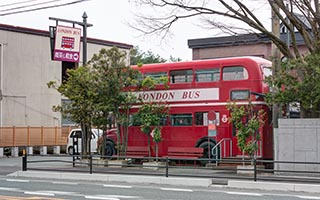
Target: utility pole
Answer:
pixel 275 59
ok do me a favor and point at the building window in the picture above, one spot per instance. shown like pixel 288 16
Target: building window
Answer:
pixel 207 75
pixel 181 76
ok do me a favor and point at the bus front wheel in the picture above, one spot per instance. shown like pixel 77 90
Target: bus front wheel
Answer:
pixel 109 149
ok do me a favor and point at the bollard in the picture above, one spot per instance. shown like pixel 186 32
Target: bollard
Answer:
pixel 167 167
pixel 254 169
pixel 24 160
pixel 90 163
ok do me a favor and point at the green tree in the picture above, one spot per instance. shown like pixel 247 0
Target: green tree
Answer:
pixel 112 77
pixel 298 81
pixel 137 57
pixel 247 122
pixel 150 116
pixel 79 90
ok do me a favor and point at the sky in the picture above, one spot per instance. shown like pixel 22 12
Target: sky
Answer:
pixel 110 20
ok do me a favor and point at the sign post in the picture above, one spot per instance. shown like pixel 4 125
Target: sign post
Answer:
pixel 68 42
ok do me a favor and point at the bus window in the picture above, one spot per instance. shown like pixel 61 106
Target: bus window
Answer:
pixel 207 75
pixel 240 94
pixel 181 119
pixel 267 71
pixel 156 75
pixel 201 118
pixel 234 73
pixel 181 76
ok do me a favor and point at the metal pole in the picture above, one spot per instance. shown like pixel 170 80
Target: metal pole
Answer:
pixel 90 163
pixel 24 160
pixel 255 169
pixel 167 166
pixel 84 39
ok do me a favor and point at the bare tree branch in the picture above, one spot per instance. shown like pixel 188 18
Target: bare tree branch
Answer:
pixel 160 23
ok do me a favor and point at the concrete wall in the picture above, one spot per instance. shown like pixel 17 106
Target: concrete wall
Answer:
pixel 297 140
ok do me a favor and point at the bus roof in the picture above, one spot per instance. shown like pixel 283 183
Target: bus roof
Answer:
pixel 217 61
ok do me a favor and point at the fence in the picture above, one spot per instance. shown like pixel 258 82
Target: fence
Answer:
pixel 227 168
pixel 33 136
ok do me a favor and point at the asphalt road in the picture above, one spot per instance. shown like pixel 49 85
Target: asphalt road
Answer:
pixel 40 189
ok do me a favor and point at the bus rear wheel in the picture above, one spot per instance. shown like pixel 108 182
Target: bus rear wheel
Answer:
pixel 207 150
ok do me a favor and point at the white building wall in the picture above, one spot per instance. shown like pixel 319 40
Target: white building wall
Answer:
pixel 26 68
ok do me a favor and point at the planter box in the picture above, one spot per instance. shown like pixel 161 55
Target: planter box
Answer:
pixel 100 163
pixel 248 169
pixel 117 163
pixel 154 165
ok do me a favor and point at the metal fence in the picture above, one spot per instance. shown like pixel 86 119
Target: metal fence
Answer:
pixel 226 169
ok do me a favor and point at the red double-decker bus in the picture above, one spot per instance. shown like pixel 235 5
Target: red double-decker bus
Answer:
pixel 196 90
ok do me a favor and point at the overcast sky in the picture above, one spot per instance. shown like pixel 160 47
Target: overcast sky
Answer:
pixel 109 19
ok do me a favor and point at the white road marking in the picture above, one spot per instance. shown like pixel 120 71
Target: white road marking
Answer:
pixel 65 183
pixel 100 197
pixel 9 189
pixel 111 197
pixel 308 197
pixel 176 189
pixel 17 180
pixel 60 192
pixel 39 193
pixel 245 193
pixel 118 186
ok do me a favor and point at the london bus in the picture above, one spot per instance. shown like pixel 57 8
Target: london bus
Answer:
pixel 198 88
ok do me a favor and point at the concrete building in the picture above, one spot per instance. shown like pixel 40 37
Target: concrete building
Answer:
pixel 26 68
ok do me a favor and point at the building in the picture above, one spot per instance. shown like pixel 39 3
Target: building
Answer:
pixel 238 45
pixel 26 68
pixel 254 44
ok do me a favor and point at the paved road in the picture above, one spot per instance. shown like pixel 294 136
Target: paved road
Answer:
pixel 82 177
pixel 46 189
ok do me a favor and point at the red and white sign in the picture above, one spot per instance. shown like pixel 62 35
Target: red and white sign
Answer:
pixel 67 44
pixel 202 94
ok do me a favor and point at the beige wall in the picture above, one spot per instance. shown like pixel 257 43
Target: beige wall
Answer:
pixel 26 68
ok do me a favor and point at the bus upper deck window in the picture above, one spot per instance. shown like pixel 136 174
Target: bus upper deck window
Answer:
pixel 207 75
pixel 181 76
pixel 234 73
pixel 156 76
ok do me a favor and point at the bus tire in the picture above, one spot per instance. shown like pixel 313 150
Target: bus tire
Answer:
pixel 71 151
pixel 109 149
pixel 205 146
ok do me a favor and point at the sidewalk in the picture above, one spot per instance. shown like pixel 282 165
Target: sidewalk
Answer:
pixel 202 182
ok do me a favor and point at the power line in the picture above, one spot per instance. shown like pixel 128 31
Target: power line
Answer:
pixel 31 5
pixel 45 7
pixel 17 3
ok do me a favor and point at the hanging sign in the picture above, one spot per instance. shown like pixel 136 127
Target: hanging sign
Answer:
pixel 67 44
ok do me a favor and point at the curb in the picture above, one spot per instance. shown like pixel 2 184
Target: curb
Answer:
pixel 264 185
pixel 202 182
